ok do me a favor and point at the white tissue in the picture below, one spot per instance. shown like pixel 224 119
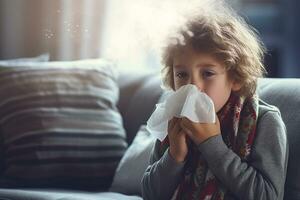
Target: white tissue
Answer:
pixel 188 102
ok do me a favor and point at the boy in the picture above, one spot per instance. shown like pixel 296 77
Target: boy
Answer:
pixel 244 154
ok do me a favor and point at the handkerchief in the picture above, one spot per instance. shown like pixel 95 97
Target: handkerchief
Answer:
pixel 188 102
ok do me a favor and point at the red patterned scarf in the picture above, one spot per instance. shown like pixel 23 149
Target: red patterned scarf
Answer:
pixel 238 119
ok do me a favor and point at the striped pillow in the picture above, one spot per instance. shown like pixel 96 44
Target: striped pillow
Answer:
pixel 59 124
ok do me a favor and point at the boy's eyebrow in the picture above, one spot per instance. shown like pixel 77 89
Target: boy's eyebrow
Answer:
pixel 202 65
pixel 179 66
pixel 207 65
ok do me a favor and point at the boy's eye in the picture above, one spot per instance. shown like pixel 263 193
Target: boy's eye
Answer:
pixel 207 74
pixel 181 75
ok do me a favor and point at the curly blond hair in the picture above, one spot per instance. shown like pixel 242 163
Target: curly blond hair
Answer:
pixel 229 38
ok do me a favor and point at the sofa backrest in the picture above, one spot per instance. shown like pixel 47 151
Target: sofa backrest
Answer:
pixel 140 91
pixel 285 94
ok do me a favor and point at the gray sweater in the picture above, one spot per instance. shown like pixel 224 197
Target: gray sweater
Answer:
pixel 262 178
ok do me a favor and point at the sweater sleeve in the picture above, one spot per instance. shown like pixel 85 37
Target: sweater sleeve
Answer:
pixel 263 177
pixel 162 176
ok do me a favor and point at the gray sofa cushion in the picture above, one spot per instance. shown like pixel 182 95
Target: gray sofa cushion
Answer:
pixel 57 194
pixel 285 94
pixel 133 164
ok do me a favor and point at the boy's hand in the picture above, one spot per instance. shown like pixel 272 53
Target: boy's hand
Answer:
pixel 177 139
pixel 199 132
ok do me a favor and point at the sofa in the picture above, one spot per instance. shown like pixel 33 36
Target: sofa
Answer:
pixel 139 92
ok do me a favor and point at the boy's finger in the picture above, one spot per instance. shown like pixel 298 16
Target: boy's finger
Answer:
pixel 171 124
pixel 185 123
pixel 186 131
pixel 185 127
pixel 176 128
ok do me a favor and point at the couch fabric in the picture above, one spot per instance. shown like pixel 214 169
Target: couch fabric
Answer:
pixel 139 92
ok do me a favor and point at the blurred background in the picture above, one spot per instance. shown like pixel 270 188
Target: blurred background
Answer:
pixel 128 31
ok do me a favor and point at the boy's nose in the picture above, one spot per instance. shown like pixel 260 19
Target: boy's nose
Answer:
pixel 197 83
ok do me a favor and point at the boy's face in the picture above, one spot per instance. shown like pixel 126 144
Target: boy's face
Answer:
pixel 206 72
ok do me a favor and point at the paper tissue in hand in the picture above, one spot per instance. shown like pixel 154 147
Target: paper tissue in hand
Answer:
pixel 188 102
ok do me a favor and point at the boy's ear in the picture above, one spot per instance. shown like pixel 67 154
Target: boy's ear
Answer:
pixel 236 86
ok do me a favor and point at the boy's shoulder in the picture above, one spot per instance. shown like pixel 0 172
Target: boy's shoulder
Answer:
pixel 264 107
